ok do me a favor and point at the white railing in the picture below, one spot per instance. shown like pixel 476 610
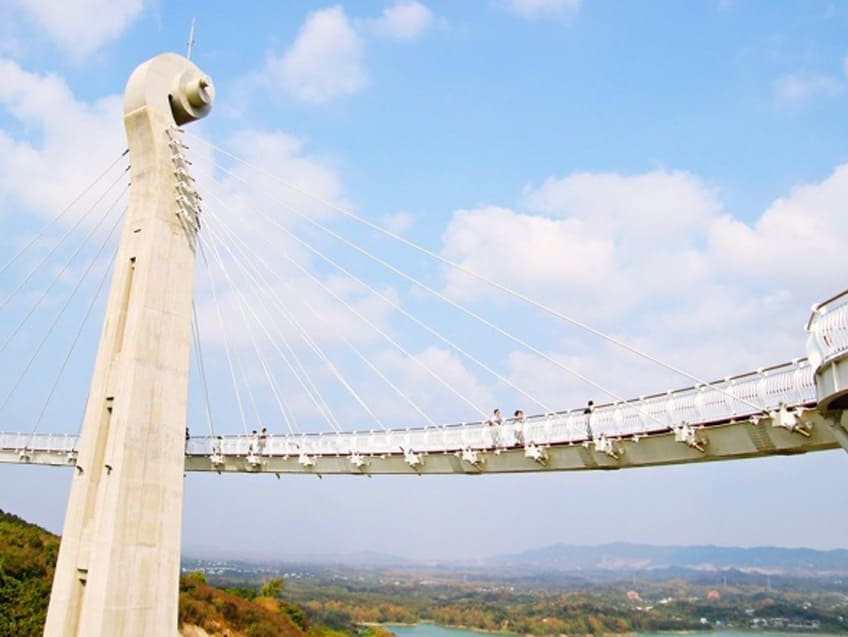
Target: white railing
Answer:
pixel 734 398
pixel 828 328
pixel 50 443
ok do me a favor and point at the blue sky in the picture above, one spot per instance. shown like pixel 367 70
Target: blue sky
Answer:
pixel 673 173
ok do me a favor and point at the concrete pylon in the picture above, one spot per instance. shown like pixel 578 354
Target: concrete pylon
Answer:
pixel 119 560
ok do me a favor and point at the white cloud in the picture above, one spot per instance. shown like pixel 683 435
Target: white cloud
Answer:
pixel 324 62
pixel 605 242
pixel 544 8
pixel 800 87
pixel 438 402
pixel 656 261
pixel 71 141
pixel 797 240
pixel 526 251
pixel 76 140
pixel 285 173
pixel 261 215
pixel 83 26
pixel 405 20
pixel 654 205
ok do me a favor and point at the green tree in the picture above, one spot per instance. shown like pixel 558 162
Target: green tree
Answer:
pixel 272 588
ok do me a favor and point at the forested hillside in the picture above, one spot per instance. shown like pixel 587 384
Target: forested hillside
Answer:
pixel 241 612
pixel 27 559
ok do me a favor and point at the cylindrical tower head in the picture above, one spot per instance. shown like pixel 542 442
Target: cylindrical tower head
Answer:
pixel 171 84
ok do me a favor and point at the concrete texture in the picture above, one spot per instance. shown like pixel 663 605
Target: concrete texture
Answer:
pixel 118 567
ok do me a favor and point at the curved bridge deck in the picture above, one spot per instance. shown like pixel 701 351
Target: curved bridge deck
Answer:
pixel 700 423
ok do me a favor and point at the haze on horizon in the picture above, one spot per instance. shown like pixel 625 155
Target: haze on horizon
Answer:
pixel 674 174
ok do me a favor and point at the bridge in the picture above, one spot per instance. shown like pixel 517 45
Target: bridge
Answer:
pixel 771 411
pixel 707 422
pixel 119 561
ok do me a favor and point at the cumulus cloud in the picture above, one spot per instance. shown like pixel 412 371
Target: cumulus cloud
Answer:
pixel 526 250
pixel 544 8
pixel 470 398
pixel 601 243
pixel 654 260
pixel 82 27
pixel 264 297
pixel 324 62
pixel 797 238
pixel 406 20
pixel 285 173
pixel 76 140
pixel 658 204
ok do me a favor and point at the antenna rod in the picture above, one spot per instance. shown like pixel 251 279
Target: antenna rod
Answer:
pixel 190 40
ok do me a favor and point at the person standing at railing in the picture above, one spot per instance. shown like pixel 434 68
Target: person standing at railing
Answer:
pixel 518 427
pixel 262 440
pixel 590 408
pixel 494 422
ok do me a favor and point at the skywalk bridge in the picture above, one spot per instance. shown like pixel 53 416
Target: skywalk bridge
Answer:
pixel 770 411
pixel 714 421
pixel 118 565
pixel 611 437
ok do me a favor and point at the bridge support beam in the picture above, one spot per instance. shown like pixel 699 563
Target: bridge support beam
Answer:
pixel 832 384
pixel 827 350
pixel 119 560
pixel 837 421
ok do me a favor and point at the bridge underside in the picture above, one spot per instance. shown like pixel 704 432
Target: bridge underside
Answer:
pixel 725 442
pixel 734 440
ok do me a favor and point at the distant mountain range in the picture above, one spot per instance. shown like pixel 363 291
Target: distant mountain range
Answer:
pixel 629 557
pixel 576 559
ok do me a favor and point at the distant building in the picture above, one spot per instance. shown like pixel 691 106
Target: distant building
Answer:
pixel 713 596
pixel 633 596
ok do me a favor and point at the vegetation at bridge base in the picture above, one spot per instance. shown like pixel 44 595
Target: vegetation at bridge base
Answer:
pixel 220 612
pixel 27 559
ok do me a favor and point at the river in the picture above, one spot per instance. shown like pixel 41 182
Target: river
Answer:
pixel 432 630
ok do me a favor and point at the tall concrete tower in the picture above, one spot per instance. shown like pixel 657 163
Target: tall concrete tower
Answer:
pixel 119 561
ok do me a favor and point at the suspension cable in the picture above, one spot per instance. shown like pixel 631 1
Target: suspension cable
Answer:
pixel 303 376
pixel 68 233
pixel 226 338
pixel 41 232
pixel 310 342
pixel 400 309
pixel 288 417
pixel 100 286
pixel 438 295
pixel 499 286
pixel 198 354
pixel 385 336
pixel 59 315
pixel 316 314
pixel 58 277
